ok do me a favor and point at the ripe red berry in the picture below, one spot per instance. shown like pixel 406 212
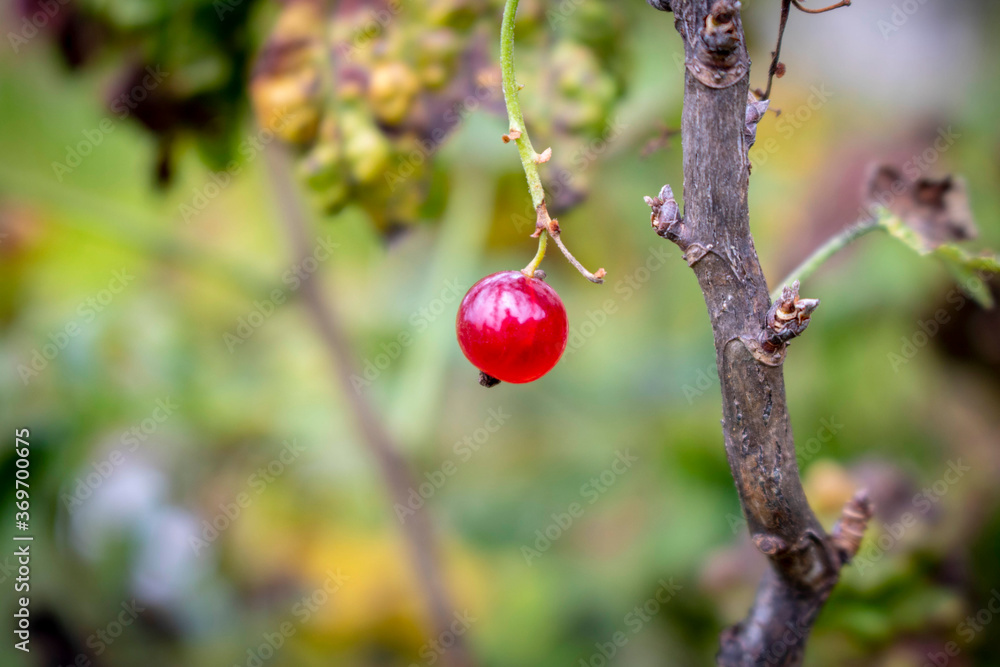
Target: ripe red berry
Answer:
pixel 512 327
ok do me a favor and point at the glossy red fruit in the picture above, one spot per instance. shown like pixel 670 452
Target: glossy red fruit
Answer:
pixel 512 327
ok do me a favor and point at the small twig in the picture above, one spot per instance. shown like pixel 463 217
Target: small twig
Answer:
pixel 596 277
pixel 775 59
pixel 798 5
pixel 777 67
pixel 850 529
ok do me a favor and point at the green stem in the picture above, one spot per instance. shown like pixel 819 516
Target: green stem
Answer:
pixel 828 250
pixel 530 160
pixel 532 266
pixel 516 118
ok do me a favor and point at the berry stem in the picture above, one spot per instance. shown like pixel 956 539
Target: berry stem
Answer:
pixel 544 225
pixel 533 265
pixel 518 132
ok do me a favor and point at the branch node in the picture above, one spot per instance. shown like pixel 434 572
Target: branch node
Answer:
pixel 766 354
pixel 770 545
pixel 787 318
pixel 754 114
pixel 544 156
pixel 542 220
pixel 716 53
pixel 695 251
pixel 665 217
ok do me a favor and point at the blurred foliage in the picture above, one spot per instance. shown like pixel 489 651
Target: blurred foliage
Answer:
pixel 895 384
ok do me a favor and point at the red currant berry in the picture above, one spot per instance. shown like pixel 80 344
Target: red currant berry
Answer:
pixel 512 327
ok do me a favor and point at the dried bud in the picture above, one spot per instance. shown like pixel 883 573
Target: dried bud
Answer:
pixel 849 531
pixel 721 34
pixel 788 317
pixel 487 380
pixel 755 112
pixel 665 216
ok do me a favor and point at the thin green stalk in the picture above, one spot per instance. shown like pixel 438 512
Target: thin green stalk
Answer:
pixel 519 133
pixel 533 265
pixel 544 225
pixel 516 118
pixel 828 250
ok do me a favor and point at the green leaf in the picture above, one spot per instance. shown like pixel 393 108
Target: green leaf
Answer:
pixel 967 269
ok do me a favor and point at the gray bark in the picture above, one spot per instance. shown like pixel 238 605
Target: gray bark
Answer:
pixel 751 335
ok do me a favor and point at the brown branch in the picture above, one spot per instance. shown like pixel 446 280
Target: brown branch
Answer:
pixel 417 530
pixel 776 56
pixel 751 336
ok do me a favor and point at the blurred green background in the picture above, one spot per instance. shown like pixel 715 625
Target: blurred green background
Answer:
pixel 165 389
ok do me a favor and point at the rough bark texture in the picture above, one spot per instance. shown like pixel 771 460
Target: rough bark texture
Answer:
pixel 751 334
